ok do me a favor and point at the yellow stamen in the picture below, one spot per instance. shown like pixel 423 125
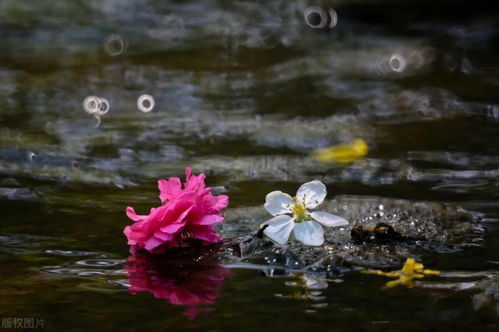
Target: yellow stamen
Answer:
pixel 299 211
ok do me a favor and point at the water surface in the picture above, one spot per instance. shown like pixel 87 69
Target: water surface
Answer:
pixel 244 91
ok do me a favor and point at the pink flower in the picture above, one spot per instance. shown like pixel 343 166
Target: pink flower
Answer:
pixel 188 212
pixel 178 280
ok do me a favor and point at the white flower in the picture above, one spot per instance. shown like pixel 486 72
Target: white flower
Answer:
pixel 291 213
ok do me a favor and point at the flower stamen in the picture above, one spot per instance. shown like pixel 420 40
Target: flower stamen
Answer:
pixel 300 211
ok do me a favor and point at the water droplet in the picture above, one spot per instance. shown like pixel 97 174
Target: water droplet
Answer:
pixel 397 63
pixel 174 22
pixel 98 121
pixel 115 45
pixel 103 106
pixel 145 103
pixel 91 104
pixel 315 17
pixel 95 105
pixel 334 18
pixel 31 156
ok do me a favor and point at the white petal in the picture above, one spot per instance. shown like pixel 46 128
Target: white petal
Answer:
pixel 311 194
pixel 309 233
pixel 275 219
pixel 279 228
pixel 328 219
pixel 278 202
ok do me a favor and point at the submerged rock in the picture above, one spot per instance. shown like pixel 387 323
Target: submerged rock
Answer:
pixel 413 229
pixel 381 233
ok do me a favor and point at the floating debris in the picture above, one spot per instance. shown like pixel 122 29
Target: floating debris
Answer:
pixel 345 153
pixel 381 233
pixel 410 271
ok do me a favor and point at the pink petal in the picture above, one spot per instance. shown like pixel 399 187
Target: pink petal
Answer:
pixel 192 208
pixel 188 173
pixel 134 233
pixel 210 238
pixel 152 243
pixel 169 189
pixel 130 212
pixel 164 236
pixel 222 202
pixel 205 233
pixel 172 228
pixel 215 204
pixel 156 218
pixel 194 182
pixel 127 233
pixel 210 219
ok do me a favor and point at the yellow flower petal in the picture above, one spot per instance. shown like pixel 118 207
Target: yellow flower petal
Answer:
pixel 345 153
pixel 410 271
pixel 432 272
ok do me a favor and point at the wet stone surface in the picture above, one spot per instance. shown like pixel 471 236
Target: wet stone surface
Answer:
pixel 423 227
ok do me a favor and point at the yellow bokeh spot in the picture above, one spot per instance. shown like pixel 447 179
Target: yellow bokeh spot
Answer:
pixel 410 271
pixel 345 153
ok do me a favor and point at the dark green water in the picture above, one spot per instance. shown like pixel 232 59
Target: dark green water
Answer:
pixel 244 91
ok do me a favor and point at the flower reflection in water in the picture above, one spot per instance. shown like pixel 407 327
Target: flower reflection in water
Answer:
pixel 308 287
pixel 186 282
